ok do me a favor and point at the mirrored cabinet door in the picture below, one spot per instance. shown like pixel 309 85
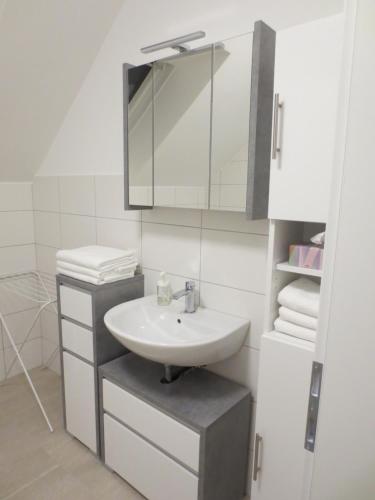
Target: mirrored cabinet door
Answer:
pixel 138 118
pixel 230 123
pixel 182 101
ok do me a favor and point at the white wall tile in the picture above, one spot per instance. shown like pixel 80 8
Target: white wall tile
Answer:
pixel 50 327
pixel 177 217
pixel 50 356
pixel 31 356
pixel 239 303
pixel 171 248
pixel 77 195
pixel 234 259
pixel 16 228
pixel 109 194
pixel 242 368
pixel 15 196
pixel 46 259
pixel 233 221
pixel 77 231
pixel 177 282
pixel 47 229
pixel 46 196
pixel 19 325
pixel 17 259
pixel 119 233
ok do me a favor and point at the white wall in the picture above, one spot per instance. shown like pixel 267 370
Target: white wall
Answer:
pixel 17 254
pixel 90 139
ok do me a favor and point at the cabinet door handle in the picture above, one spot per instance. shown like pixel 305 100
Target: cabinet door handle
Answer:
pixel 256 466
pixel 277 106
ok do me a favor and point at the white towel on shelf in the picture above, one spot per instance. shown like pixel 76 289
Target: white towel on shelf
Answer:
pixel 116 271
pixel 91 279
pixel 297 318
pixel 96 257
pixel 302 295
pixel 295 330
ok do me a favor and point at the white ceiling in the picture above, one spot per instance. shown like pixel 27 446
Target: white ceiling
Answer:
pixel 46 50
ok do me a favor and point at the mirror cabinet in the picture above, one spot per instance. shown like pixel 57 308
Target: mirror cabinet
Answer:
pixel 197 127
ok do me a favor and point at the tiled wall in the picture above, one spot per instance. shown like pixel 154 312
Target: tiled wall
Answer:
pixel 222 251
pixel 17 254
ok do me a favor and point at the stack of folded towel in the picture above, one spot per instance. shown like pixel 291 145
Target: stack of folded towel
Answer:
pixel 298 314
pixel 97 264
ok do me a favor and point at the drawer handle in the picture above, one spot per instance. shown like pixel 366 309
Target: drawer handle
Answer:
pixel 277 106
pixel 256 466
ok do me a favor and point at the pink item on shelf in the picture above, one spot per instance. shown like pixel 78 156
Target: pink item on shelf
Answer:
pixel 308 256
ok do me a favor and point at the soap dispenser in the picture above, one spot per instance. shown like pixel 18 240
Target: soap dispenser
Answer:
pixel 164 291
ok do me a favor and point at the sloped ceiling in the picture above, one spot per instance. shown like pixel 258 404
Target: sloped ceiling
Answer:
pixel 46 50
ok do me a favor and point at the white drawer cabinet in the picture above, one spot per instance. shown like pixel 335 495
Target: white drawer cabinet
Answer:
pixel 77 340
pixel 85 344
pixel 80 401
pixel 186 440
pixel 146 468
pixel 76 304
pixel 176 439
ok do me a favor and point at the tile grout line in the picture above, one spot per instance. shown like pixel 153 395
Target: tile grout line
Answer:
pixel 26 485
pixel 208 282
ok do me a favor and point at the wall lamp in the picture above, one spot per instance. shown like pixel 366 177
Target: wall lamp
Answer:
pixel 175 43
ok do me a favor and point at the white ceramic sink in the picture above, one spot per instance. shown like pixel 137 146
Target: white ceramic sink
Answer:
pixel 168 335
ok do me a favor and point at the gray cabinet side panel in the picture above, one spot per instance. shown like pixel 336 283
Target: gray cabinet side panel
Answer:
pixel 260 129
pixel 224 455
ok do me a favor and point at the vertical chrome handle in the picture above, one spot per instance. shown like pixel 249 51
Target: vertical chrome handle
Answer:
pixel 276 108
pixel 313 408
pixel 256 466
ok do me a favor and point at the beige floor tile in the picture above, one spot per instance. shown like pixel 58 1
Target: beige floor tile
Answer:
pixel 38 465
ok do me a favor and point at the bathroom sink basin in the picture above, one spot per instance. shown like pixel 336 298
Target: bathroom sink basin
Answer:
pixel 168 335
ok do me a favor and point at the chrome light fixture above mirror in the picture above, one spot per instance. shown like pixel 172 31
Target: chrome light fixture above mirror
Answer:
pixel 174 43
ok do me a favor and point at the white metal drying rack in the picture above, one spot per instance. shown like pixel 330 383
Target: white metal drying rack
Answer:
pixel 36 287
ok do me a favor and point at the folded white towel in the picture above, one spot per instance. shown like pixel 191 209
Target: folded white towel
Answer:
pixel 96 257
pixel 302 296
pixel 118 270
pixel 91 279
pixel 298 318
pixel 295 330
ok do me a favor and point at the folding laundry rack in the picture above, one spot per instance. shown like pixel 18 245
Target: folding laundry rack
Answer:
pixel 38 288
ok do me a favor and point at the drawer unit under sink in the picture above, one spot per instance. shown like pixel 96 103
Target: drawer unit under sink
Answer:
pixel 187 440
pixel 165 432
pixel 150 471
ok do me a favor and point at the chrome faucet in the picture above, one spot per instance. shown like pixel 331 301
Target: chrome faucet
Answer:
pixel 189 293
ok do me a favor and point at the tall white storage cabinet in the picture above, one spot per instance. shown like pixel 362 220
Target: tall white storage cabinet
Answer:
pixel 307 67
pixel 285 369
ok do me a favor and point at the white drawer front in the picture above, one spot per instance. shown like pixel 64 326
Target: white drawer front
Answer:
pixel 151 472
pixel 173 437
pixel 78 340
pixel 76 305
pixel 80 408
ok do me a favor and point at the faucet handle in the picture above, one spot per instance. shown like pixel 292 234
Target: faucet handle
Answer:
pixel 190 285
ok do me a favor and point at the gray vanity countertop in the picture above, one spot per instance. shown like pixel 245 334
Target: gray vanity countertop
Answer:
pixel 198 398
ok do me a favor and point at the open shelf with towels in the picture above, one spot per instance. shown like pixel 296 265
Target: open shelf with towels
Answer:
pixel 285 266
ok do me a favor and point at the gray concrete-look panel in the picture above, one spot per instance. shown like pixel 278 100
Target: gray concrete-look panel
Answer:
pixel 217 408
pixel 260 129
